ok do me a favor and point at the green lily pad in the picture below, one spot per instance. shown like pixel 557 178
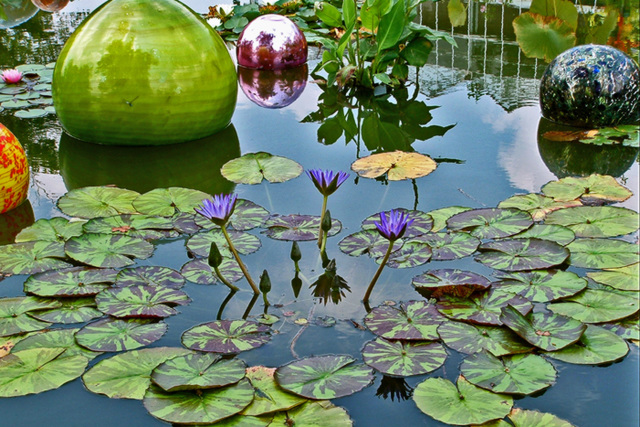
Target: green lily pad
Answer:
pixel 150 275
pixel 32 257
pixel 483 308
pixel 402 358
pixel 246 216
pixel 30 113
pixel 200 244
pixel 107 250
pixel 56 229
pixel 597 306
pixel 297 227
pixel 448 246
pixel 623 278
pixel 543 37
pixel 93 202
pixel 141 301
pixel 596 221
pixel 56 338
pixel 411 254
pixel 626 135
pixel 199 271
pixel 422 223
pixel 547 331
pixel 528 418
pixel 469 339
pixel 72 310
pixel 226 336
pixel 269 396
pixel 367 242
pixel 314 414
pixel 140 226
pixel 516 374
pixel 198 406
pixel 128 375
pixel 252 168
pixel 14 318
pixel 168 201
pixel 413 320
pixel 436 283
pixel 541 285
pixel 596 346
pixel 627 328
pixel 440 216
pixel 324 377
pixel 593 188
pixel 15 104
pixel 460 404
pixel 185 223
pixel 198 371
pixel 555 233
pixel 70 282
pixel 522 254
pixel 536 204
pixel 120 334
pixel 491 223
pixel 38 369
pixel 602 253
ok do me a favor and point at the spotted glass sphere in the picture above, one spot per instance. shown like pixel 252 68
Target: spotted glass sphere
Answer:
pixel 14 171
pixel 591 86
pixel 273 88
pixel 271 42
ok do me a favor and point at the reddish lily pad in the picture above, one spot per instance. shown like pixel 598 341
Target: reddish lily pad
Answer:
pixel 70 282
pixel 297 227
pixel 491 223
pixel 141 301
pixel 448 246
pixel 459 283
pixel 403 358
pixel 367 242
pixel 522 254
pixel 120 334
pixel 422 222
pixel 411 254
pixel 413 320
pixel 483 308
pixel 470 339
pixel 541 285
pixel 150 275
pixel 199 271
pixel 226 336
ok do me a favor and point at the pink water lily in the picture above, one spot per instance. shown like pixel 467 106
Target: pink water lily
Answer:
pixel 11 76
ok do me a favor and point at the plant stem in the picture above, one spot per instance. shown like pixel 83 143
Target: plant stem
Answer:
pixel 225 281
pixel 266 301
pixel 320 233
pixel 224 304
pixel 239 261
pixel 375 277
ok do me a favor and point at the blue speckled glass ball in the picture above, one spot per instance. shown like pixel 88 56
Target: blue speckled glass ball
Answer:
pixel 591 86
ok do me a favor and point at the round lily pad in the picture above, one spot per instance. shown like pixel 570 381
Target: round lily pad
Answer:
pixel 597 306
pixel 483 308
pixel 14 318
pixel 397 165
pixel 150 275
pixel 71 310
pixel 246 215
pixel 596 221
pixel 536 204
pixel 199 271
pixel 436 283
pixel 198 371
pixel 168 201
pixel 460 404
pixel 596 346
pixel 440 216
pixel 140 226
pixel 56 338
pixel 602 253
pixel 120 334
pixel 312 413
pixel 521 254
pixel 269 396
pixel 623 278
pixel 413 320
pixel 200 243
pixel 469 339
pixel 448 246
pixel 93 202
pixel 70 282
pixel 411 254
pixel 526 418
pixel 593 188
pixel 140 301
pixel 324 377
pixel 403 358
pixel 32 257
pixel 627 328
pixel 367 242
pixel 491 223
pixel 297 227
pixel 185 223
pixel 422 222
pixel 127 375
pixel 106 250
pixel 226 336
pixel 56 229
pixel 555 233
pixel 252 168
pixel 541 285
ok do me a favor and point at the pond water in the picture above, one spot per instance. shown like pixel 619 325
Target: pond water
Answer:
pixel 482 96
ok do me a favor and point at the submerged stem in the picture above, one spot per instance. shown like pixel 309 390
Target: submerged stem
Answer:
pixel 375 277
pixel 239 261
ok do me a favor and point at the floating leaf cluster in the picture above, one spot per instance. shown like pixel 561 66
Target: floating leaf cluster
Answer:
pixel 32 96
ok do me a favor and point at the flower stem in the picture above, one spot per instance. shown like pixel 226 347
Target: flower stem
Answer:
pixel 375 277
pixel 324 209
pixel 225 281
pixel 239 261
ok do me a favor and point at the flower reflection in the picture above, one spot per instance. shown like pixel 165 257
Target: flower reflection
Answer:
pixel 395 388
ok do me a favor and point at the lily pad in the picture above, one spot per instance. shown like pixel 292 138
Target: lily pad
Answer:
pixel 491 223
pixel 30 113
pixel 324 377
pixel 517 374
pixel 623 278
pixel 536 204
pixel 141 301
pixel 422 222
pixel 483 308
pixel 32 257
pixel 150 275
pixel 185 223
pixel 246 216
pixel 367 242
pixel 297 227
pixel 526 418
pixel 14 318
pixel 56 338
pixel 440 216
pixel 56 229
pixel 128 375
pixel 460 404
pixel 522 254
pixel 627 328
pixel 436 283
pixel 402 358
pixel 226 336
pixel 93 202
pixel 541 285
pixel 269 396
pixel 555 233
pixel 543 37
pixel 596 346
pixel 597 306
pixel 252 168
pixel 469 339
pixel 411 254
pixel 107 250
pixel 200 244
pixel 398 165
pixel 199 271
pixel 413 320
pixel 169 201
pixel 198 371
pixel 314 414
pixel 593 188
pixel 596 221
pixel 448 246
pixel 602 253
pixel 71 310
pixel 120 334
pixel 70 282
pixel 140 226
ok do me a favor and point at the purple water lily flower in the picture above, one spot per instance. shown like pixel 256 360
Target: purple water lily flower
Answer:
pixel 218 209
pixel 394 227
pixel 327 181
pixel 11 76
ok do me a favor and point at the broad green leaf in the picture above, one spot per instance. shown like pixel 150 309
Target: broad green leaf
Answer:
pixel 522 254
pixel 602 253
pixel 314 414
pixel 71 310
pixel 324 377
pixel 440 216
pixel 593 188
pixel 199 271
pixel 140 226
pixel 367 242
pixel 141 301
pixel 14 318
pixel 422 223
pixel 413 320
pixel 596 346
pixel 128 375
pixel 528 418
pixel 402 358
pixel 541 285
pixel 106 250
pixel 200 243
pixel 93 202
pixel 491 223
pixel 447 246
pixel 246 215
pixel 391 27
pixel 470 339
pixel 198 371
pixel 56 229
pixel 297 227
pixel 457 13
pixel 70 282
pixel 226 336
pixel 554 233
pixel 150 275
pixel 397 165
pixel 252 168
pixel 417 51
pixel 536 204
pixel 483 308
pixel 561 9
pixel 623 278
pixel 32 257
pixel 329 14
pixel 597 306
pixel 169 201
pixel 436 283
pixel 543 37
pixel 372 11
pixel 349 13
pixel 269 396
pixel 56 338
pixel 120 334
pixel 596 221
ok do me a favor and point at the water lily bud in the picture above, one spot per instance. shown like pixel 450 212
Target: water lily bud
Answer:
pixel 215 258
pixel 296 255
pixel 265 282
pixel 326 222
pixel 296 285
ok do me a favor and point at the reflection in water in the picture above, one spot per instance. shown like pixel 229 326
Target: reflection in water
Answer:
pixel 14 221
pixel 14 13
pixel 273 88
pixel 329 286
pixel 51 5
pixel 391 387
pixel 194 164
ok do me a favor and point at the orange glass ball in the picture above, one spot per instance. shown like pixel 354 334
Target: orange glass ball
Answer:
pixel 14 171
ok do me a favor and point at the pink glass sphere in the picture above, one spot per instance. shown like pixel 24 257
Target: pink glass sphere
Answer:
pixel 271 42
pixel 273 88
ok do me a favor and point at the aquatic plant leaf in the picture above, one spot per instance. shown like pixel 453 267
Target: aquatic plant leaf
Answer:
pixel 460 404
pixel 297 227
pixel 30 113
pixel 543 37
pixel 422 222
pixel 199 271
pixel 491 223
pixel 596 221
pixel 70 282
pixel 56 229
pixel 391 27
pixel 593 188
pixel 252 168
pixel 526 418
pixel 367 242
pixel 120 334
pixel 246 216
pixel 457 13
pixel 516 374
pixel 72 310
pixel 240 420
pixel 128 375
pixel 56 338
pixel 185 223
pixel 623 278
pixel 411 254
pixel 554 233
pixel 107 250
pixel 94 202
pixel 448 246
pixel 440 216
pixel 521 254
pixel 597 306
pixel 561 9
pixel 411 320
pixel 596 346
pixel 602 253
pixel 448 281
pixel 627 328
pixel 169 201
pixel 226 336
pixel 198 371
pixel 541 285
pixel 469 339
pixel 140 226
pixel 32 257
pixel 536 204
pixel 269 396
pixel 38 369
pixel 200 243
pixel 324 377
pixel 547 331
pixel 625 135
pixel 483 308
pixel 14 318
pixel 314 413
pixel 150 275
pixel 140 301
pixel 198 406
pixel 403 358
pixel 398 165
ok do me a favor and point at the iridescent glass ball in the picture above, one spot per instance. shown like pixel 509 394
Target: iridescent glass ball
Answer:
pixel 271 42
pixel 591 86
pixel 50 5
pixel 273 88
